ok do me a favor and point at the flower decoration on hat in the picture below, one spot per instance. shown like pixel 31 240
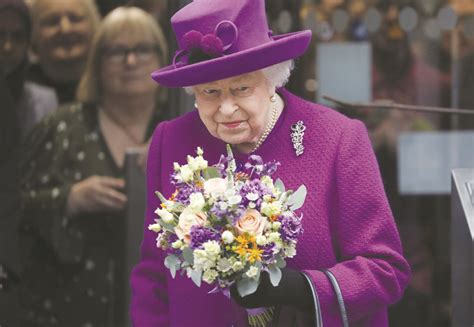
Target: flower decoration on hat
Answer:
pixel 197 47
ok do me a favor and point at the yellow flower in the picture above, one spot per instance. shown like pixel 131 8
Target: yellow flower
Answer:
pixel 255 254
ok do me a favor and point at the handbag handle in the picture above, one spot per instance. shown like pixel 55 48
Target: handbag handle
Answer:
pixel 317 306
pixel 340 300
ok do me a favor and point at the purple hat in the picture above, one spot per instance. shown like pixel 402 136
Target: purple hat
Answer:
pixel 219 39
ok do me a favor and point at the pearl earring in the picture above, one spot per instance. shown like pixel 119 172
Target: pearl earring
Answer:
pixel 273 98
pixel 196 105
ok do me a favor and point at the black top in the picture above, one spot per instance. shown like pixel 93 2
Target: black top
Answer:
pixel 74 266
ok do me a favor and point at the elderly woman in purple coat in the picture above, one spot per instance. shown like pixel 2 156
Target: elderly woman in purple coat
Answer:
pixel 349 265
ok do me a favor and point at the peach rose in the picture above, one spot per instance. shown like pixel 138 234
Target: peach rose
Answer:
pixel 251 222
pixel 188 219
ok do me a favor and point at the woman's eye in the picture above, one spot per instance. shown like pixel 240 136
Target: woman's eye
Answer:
pixel 209 91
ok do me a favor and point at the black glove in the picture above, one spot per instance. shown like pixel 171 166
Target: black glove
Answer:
pixel 293 290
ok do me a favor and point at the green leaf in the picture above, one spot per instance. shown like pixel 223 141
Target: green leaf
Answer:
pixel 275 275
pixel 196 276
pixel 280 262
pixel 169 227
pixel 279 185
pixel 211 172
pixel 296 200
pixel 188 256
pixel 173 263
pixel 247 286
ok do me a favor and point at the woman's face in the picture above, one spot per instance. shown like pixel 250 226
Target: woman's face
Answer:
pixel 13 41
pixel 126 63
pixel 235 109
pixel 63 31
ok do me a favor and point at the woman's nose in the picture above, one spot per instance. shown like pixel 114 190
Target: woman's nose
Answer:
pixel 228 107
pixel 65 24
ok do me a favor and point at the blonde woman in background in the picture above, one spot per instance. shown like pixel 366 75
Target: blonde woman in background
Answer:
pixel 73 186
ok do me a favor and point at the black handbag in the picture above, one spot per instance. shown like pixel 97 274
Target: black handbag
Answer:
pixel 340 300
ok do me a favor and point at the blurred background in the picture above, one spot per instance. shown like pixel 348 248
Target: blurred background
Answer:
pixel 369 54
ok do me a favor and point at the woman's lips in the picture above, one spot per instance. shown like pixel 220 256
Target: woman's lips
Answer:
pixel 232 124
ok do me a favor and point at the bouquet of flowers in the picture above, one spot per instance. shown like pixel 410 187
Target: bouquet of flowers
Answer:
pixel 225 225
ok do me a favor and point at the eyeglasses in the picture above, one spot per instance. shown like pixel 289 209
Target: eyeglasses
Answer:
pixel 118 54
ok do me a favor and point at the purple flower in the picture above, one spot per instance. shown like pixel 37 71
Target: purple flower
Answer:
pixel 184 191
pixel 257 166
pixel 200 235
pixel 291 228
pixel 192 40
pixel 212 45
pixel 268 252
pixel 231 213
pixel 254 187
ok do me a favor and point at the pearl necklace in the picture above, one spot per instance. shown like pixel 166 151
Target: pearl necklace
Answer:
pixel 270 125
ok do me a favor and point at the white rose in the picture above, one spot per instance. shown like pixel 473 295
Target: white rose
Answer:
pixel 165 215
pixel 215 187
pixel 251 222
pixel 252 272
pixel 186 173
pixel 227 237
pixel 187 219
pixel 197 202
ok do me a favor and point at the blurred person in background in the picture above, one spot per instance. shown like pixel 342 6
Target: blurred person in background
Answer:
pixel 73 178
pixel 401 76
pixel 22 105
pixel 62 32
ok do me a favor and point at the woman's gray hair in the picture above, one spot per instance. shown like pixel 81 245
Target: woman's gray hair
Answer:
pixel 276 75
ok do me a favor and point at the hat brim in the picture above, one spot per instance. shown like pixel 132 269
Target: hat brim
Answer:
pixel 283 47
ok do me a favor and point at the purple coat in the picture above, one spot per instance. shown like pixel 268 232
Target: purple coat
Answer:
pixel 348 225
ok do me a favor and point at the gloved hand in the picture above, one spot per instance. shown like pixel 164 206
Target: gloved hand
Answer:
pixel 293 290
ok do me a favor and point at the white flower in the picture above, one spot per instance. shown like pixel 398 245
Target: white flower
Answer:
pixel 227 237
pixel 186 173
pixel 212 248
pixel 276 225
pixel 199 151
pixel 273 237
pixel 268 182
pixel 165 215
pixel 198 163
pixel 154 227
pixel 176 166
pixel 223 265
pixel 252 272
pixel 238 265
pixel 177 244
pixel 197 202
pixel 202 260
pixel 215 187
pixel 209 276
pixel 252 196
pixel 234 199
pixel 261 240
pixel 271 209
pixel 290 251
pixel 252 205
